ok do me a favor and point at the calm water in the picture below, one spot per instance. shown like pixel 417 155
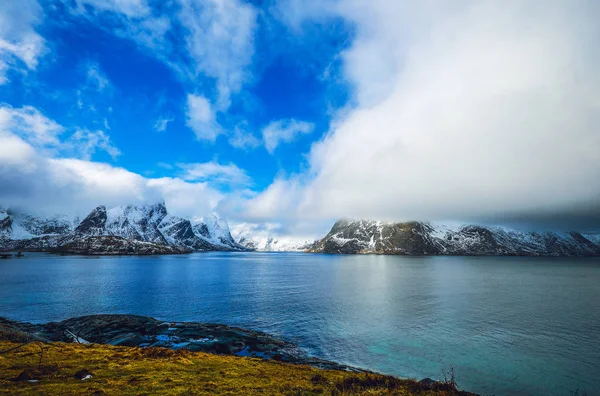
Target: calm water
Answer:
pixel 509 326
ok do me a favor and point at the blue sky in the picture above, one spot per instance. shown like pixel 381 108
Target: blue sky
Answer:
pixel 98 79
pixel 284 115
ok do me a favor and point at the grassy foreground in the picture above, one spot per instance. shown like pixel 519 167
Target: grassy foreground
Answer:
pixel 137 371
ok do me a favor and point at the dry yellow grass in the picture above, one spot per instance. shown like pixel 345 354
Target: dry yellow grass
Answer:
pixel 135 371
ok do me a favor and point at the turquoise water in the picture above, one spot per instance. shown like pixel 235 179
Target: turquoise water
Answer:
pixel 509 326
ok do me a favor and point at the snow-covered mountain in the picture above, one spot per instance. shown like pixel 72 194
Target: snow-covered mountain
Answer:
pixel 420 238
pixel 18 226
pixel 216 231
pixel 152 223
pixel 271 244
pixel 148 223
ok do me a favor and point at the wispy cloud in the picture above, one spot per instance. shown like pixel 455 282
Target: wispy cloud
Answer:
pixel 242 138
pixel 20 44
pixel 161 124
pixel 212 39
pixel 129 8
pixel 31 125
pixel 284 131
pixel 33 128
pixel 214 172
pixel 96 77
pixel 220 42
pixel 86 143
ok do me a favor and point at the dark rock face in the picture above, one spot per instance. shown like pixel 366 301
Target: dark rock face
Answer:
pixel 138 222
pixel 5 225
pixel 416 238
pixel 141 331
pixel 179 231
pixel 114 245
pixel 351 237
pixel 94 223
pixel 43 244
pixel 202 229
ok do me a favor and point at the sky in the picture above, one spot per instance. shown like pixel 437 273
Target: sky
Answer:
pixel 284 115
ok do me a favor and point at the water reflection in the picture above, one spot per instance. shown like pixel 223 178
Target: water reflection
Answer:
pixel 508 325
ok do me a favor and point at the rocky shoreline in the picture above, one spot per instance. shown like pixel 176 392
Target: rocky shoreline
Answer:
pixel 142 331
pixel 148 335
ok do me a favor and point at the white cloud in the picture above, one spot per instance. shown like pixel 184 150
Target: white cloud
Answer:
pixel 191 200
pixel 243 139
pixel 77 186
pixel 465 111
pixel 262 232
pixel 161 124
pixel 220 42
pixel 201 118
pixel 135 21
pixel 31 125
pixel 33 181
pixel 38 179
pixel 129 8
pixel 20 44
pixel 284 131
pixel 96 77
pixel 229 174
pixel 14 150
pixel 278 202
pixel 27 128
pixel 213 38
pixel 218 37
pixel 86 143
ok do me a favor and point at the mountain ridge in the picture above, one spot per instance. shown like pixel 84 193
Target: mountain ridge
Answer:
pixel 127 229
pixel 425 238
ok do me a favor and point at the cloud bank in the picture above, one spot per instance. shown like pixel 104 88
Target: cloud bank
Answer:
pixel 482 111
pixel 39 172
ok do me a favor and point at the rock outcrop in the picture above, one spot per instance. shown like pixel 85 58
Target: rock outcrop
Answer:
pixel 142 331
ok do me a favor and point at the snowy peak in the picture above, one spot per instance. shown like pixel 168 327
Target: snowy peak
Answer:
pixel 419 238
pixel 153 223
pixel 216 231
pixel 138 222
pixel 94 224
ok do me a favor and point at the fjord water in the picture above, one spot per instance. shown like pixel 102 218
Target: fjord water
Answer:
pixel 509 326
